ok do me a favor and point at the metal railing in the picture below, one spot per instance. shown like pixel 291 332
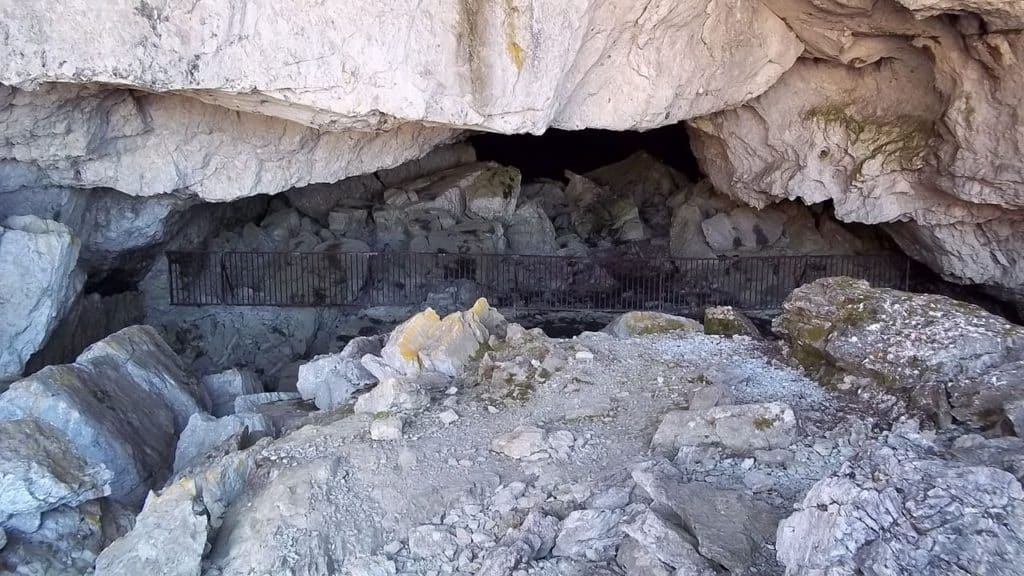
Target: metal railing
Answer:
pixel 512 281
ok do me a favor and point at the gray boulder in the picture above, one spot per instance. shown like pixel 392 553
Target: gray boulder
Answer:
pixel 731 527
pixel 40 471
pixel 686 237
pixel 933 352
pixel 108 418
pixel 222 389
pixel 592 535
pixel 728 321
pixel 120 405
pixel 205 432
pixel 669 544
pixel 637 323
pixel 331 380
pixel 146 360
pixel 739 428
pixel 533 539
pixel 744 229
pixel 168 539
pixel 393 395
pixel 530 231
pixel 39 283
pixel 904 506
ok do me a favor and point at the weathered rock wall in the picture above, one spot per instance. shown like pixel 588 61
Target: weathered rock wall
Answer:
pixel 909 123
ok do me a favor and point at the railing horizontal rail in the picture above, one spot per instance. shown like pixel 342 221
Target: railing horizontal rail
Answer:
pixel 362 279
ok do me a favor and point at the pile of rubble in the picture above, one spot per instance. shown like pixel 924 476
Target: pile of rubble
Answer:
pixel 466 444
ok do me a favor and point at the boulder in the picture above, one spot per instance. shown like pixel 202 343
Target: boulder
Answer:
pixel 902 505
pixel 393 394
pixel 470 237
pixel 168 539
pixel 530 231
pixel 531 540
pixel 739 429
pixel 520 443
pixel 932 351
pixel 686 235
pixel 731 527
pixel 728 321
pixel 386 426
pixel 633 324
pixel 427 343
pixel 119 405
pixel 144 358
pixel 348 222
pixel 637 560
pixel 647 181
pixel 592 535
pixel 39 283
pixel 330 380
pixel 222 389
pixel 743 230
pixel 40 471
pixel 205 433
pixel 669 544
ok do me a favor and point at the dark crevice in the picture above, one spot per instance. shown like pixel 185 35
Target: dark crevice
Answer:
pixel 551 154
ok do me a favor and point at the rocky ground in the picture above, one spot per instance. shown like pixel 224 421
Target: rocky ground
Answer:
pixel 469 445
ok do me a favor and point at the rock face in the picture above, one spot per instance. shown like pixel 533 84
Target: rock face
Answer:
pixel 576 59
pixel 900 120
pixel 901 506
pixel 945 357
pixel 38 285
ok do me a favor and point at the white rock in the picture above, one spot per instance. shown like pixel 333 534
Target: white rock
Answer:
pixel 205 433
pixel 448 417
pixel 393 394
pixel 330 380
pixel 168 539
pixel 38 285
pixel 428 343
pixel 40 471
pixel 670 544
pixel 520 443
pixel 633 324
pixel 143 356
pixel 386 427
pixel 592 535
pixel 222 389
pixel 941 512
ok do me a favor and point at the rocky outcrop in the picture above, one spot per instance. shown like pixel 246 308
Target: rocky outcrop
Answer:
pixel 330 380
pixel 39 283
pixel 945 357
pixel 905 506
pixel 912 124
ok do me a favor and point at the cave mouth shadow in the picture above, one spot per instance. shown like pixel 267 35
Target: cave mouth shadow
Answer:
pixel 549 155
